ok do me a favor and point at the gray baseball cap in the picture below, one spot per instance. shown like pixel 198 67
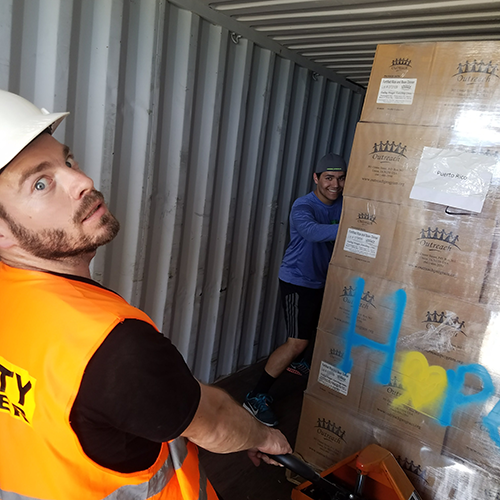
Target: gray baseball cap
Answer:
pixel 331 163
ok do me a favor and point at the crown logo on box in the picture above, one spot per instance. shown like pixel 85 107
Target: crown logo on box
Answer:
pixel 367 217
pixel 401 61
pixel 439 235
pixel 477 67
pixel 441 318
pixel 409 466
pixel 337 352
pixel 367 297
pixel 395 384
pixel 389 147
pixel 330 426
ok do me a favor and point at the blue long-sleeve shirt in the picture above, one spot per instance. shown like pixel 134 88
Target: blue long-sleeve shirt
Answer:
pixel 313 230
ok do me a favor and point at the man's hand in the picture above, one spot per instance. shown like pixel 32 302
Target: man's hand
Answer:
pixel 277 445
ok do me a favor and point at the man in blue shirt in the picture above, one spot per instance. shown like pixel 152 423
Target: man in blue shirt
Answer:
pixel 314 222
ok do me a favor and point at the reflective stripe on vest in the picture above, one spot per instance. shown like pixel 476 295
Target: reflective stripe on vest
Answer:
pixel 178 453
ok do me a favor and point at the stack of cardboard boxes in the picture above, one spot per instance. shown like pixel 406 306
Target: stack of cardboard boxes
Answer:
pixel 406 353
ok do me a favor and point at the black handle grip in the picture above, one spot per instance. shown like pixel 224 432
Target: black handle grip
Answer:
pixel 296 465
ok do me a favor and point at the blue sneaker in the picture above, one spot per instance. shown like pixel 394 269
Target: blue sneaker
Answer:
pixel 299 368
pixel 258 406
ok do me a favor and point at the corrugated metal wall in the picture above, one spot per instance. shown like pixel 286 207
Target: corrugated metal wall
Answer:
pixel 200 141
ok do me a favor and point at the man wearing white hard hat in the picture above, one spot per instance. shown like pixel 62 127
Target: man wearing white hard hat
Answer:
pixel 94 402
pixel 314 222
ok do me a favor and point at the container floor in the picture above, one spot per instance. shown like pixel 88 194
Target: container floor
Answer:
pixel 233 475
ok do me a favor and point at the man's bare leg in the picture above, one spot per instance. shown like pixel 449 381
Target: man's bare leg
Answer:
pixel 284 355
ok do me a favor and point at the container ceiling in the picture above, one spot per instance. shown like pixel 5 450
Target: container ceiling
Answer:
pixel 340 36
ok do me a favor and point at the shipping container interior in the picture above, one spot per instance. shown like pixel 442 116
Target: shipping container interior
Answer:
pixel 201 123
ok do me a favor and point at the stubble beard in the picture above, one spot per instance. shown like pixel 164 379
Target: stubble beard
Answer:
pixel 56 244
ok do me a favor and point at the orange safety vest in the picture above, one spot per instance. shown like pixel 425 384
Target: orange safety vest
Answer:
pixel 50 327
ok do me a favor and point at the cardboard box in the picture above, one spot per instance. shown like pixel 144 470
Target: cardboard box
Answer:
pixel 468 438
pixel 398 83
pixel 327 433
pixel 385 160
pixel 327 381
pixel 422 463
pixel 447 84
pixel 379 403
pixel 490 293
pixel 440 252
pixel 376 305
pixel 365 236
pixel 449 331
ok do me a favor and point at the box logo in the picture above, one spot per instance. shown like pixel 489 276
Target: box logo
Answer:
pixel 435 318
pixel 495 495
pixel 336 352
pixel 366 299
pixel 395 388
pixel 401 63
pixel 366 218
pixel 410 466
pixel 388 152
pixel 476 72
pixel 438 239
pixel 330 431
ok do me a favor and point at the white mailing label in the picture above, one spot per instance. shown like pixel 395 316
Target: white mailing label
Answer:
pixel 396 91
pixel 362 242
pixel 334 378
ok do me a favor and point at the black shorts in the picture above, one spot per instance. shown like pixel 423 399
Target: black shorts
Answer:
pixel 301 306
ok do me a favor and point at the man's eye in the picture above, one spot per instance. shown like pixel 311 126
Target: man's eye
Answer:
pixel 69 164
pixel 41 184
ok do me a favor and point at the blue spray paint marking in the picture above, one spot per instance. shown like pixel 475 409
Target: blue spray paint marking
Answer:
pixel 492 423
pixel 355 339
pixel 456 379
pixel 454 395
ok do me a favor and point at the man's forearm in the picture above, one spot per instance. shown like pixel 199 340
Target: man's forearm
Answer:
pixel 221 425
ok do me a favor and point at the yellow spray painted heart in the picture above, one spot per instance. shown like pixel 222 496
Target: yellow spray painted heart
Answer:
pixel 424 386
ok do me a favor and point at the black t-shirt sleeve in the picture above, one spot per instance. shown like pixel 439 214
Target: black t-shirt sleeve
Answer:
pixel 137 383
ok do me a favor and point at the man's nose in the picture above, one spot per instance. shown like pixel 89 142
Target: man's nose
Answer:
pixel 79 184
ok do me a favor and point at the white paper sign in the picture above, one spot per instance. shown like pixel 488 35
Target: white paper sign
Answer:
pixel 453 178
pixel 396 91
pixel 334 378
pixel 362 242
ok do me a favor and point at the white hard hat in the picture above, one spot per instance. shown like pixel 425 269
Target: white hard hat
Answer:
pixel 20 123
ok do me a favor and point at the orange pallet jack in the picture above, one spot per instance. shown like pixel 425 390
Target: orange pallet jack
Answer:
pixel 370 474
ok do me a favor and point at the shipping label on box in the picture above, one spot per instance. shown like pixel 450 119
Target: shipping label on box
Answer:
pixel 365 235
pixel 326 380
pixel 441 253
pixel 327 433
pixel 453 178
pixel 384 160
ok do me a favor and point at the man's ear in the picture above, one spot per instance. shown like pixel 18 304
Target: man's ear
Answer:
pixel 315 177
pixel 7 239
